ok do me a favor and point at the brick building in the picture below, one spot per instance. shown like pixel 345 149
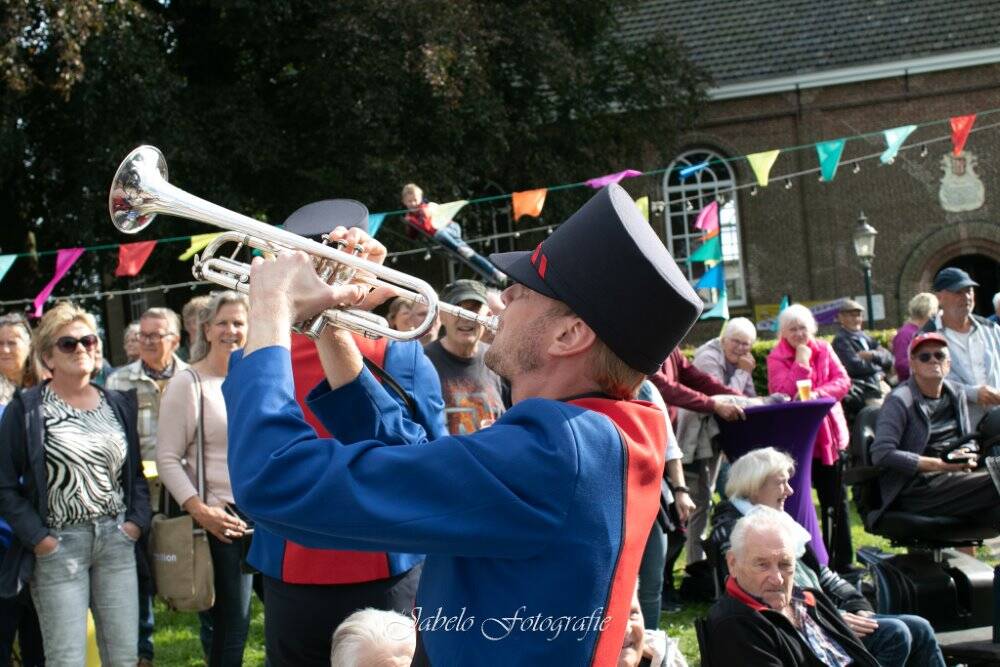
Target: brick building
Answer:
pixel 795 72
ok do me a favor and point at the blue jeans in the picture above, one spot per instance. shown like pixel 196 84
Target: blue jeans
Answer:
pixel 225 626
pixel 93 566
pixel 651 577
pixel 451 240
pixel 904 640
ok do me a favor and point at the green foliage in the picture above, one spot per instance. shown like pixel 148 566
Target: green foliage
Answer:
pixel 264 106
pixel 761 348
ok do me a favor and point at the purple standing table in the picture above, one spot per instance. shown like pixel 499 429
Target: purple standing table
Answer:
pixel 790 427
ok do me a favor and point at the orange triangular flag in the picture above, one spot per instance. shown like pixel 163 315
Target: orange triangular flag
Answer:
pixel 132 257
pixel 960 128
pixel 529 202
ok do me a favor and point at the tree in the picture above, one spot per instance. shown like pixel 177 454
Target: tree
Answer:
pixel 264 106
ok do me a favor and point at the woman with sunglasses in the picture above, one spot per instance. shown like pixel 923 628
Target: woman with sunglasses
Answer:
pixel 72 488
pixel 195 395
pixel 918 425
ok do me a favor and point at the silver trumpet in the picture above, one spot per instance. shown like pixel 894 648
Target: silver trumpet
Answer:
pixel 140 191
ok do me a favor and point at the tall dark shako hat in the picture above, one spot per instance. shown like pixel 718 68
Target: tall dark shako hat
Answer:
pixel 606 263
pixel 318 218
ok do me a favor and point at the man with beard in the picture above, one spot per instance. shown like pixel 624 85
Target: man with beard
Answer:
pixel 533 527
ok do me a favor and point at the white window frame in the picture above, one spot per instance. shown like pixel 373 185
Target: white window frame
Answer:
pixel 684 199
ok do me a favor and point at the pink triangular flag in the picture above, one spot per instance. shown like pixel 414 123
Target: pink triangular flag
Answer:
pixel 65 259
pixel 708 217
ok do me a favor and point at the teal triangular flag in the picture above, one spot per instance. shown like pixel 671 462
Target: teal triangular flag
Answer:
pixel 375 221
pixel 714 278
pixel 829 157
pixel 784 303
pixel 720 310
pixel 5 263
pixel 712 250
pixel 894 139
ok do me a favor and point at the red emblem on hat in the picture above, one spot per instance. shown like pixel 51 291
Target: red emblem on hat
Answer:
pixel 539 261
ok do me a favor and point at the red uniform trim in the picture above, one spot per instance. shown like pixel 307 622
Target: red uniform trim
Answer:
pixel 302 565
pixel 643 435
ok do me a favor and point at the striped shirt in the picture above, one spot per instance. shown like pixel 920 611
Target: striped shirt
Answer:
pixel 84 454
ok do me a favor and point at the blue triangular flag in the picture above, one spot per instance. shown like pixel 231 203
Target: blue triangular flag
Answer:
pixel 829 157
pixel 5 263
pixel 375 221
pixel 714 278
pixel 720 310
pixel 894 139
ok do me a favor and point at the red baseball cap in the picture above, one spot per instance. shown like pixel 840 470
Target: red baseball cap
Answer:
pixel 926 338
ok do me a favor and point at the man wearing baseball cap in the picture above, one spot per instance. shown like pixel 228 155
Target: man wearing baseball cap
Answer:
pixel 473 394
pixel 864 358
pixel 533 527
pixel 974 341
pixel 917 425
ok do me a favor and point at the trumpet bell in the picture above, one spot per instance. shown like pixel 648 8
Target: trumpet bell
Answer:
pixel 131 205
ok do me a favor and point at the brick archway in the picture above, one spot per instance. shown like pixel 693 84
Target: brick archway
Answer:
pixel 939 246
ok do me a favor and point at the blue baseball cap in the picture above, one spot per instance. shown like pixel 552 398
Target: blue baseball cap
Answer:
pixel 952 279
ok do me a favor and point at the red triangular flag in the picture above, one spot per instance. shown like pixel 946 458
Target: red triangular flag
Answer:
pixel 960 127
pixel 132 256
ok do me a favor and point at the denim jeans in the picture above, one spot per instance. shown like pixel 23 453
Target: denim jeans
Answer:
pixel 92 566
pixel 225 626
pixel 651 577
pixel 902 640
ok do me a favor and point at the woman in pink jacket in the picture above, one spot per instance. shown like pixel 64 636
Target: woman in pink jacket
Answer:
pixel 799 355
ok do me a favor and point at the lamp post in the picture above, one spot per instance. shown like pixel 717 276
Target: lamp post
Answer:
pixel 864 248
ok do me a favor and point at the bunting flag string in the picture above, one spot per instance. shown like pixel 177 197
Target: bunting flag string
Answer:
pixel 531 202
pixel 960 128
pixel 65 259
pixel 132 257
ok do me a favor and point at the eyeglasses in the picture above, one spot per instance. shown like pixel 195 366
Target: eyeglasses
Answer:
pixel 68 344
pixel 925 357
pixel 155 337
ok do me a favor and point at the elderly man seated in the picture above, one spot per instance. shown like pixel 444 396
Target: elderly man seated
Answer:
pixel 917 425
pixel 764 618
pixel 866 361
pixel 760 478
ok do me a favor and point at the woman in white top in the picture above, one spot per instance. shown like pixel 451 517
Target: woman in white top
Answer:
pixel 222 327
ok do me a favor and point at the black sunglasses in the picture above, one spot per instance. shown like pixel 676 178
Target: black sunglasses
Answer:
pixel 68 344
pixel 924 357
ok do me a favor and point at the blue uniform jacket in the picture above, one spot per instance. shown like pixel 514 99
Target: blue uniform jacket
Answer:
pixel 534 527
pixel 269 551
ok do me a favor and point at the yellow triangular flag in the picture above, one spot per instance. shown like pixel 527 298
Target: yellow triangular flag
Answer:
pixel 642 203
pixel 198 243
pixel 444 213
pixel 761 164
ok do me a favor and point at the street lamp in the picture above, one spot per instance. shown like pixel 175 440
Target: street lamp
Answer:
pixel 864 248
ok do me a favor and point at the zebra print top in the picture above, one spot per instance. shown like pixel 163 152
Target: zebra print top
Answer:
pixel 84 454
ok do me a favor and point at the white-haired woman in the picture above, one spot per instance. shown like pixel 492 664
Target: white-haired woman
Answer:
pixel 921 308
pixel 222 327
pixel 761 477
pixel 799 355
pixel 728 358
pixel 374 637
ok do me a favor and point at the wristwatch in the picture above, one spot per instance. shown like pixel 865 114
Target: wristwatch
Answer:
pixel 678 489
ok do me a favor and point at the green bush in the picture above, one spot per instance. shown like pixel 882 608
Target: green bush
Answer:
pixel 762 348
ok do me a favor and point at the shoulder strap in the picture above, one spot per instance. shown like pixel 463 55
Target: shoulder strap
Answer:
pixel 199 432
pixel 374 353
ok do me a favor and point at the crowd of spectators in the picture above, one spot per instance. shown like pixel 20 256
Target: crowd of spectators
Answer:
pixel 72 488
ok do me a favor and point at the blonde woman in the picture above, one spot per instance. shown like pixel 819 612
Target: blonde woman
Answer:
pixel 921 308
pixel 222 327
pixel 72 488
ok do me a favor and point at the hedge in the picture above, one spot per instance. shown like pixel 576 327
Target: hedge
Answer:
pixel 762 348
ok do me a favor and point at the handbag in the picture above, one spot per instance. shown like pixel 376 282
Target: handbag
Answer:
pixel 181 557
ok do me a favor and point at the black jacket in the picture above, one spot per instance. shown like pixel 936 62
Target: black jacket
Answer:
pixel 24 480
pixel 847 344
pixel 841 593
pixel 744 632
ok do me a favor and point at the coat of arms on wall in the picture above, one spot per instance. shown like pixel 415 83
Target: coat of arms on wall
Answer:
pixel 961 189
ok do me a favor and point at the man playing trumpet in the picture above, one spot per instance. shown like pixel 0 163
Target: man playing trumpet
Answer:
pixel 534 527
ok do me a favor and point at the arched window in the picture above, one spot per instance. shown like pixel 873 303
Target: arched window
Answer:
pixel 685 197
